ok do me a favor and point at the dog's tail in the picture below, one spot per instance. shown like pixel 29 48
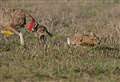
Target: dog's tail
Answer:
pixel 50 34
pixel 42 28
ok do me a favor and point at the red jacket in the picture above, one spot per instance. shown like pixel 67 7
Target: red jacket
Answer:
pixel 30 26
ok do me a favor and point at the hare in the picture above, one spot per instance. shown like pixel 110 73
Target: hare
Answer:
pixel 12 20
pixel 83 40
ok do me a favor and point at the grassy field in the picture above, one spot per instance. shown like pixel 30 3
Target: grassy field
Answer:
pixel 59 62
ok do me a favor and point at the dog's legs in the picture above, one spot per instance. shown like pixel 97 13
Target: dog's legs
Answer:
pixel 21 38
pixel 12 28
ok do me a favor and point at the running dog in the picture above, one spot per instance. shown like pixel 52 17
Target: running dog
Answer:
pixel 12 20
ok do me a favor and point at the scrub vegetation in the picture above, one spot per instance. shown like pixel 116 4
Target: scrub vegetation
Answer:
pixel 57 61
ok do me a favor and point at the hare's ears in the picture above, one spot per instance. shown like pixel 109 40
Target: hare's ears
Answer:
pixel 93 34
pixel 68 41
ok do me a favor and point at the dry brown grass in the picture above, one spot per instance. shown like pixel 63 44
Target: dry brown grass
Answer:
pixel 58 62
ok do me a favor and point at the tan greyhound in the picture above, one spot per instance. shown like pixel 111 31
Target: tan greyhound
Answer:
pixel 12 20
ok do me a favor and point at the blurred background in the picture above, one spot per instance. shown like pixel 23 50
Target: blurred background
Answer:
pixel 59 62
